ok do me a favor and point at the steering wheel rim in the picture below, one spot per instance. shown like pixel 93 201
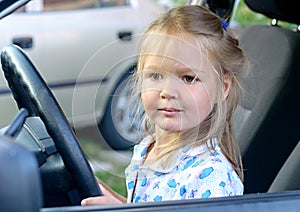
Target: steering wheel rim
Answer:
pixel 31 92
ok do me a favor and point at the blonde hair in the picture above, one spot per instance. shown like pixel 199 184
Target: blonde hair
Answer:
pixel 227 59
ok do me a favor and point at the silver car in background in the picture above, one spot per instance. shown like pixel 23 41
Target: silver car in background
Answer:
pixel 84 50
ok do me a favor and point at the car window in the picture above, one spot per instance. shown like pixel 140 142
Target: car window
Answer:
pixel 112 3
pixel 57 5
pixel 63 5
pixel 243 17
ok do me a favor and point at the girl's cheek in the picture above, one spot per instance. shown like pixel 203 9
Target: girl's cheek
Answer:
pixel 146 100
pixel 149 99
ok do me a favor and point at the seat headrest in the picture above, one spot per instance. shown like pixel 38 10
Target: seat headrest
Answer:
pixel 286 10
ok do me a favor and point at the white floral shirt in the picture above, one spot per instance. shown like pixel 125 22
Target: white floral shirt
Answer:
pixel 194 173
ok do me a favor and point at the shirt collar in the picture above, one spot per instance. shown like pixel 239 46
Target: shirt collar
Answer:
pixel 165 164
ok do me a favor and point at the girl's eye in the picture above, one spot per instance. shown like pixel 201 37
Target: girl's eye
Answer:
pixel 190 79
pixel 155 76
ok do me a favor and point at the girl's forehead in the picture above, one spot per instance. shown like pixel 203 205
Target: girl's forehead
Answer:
pixel 180 51
pixel 168 44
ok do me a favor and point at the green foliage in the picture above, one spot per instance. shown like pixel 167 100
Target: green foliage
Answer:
pixel 179 2
pixel 114 182
pixel 108 166
pixel 175 2
pixel 245 17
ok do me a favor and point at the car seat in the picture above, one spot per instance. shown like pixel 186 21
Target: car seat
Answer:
pixel 288 177
pixel 266 123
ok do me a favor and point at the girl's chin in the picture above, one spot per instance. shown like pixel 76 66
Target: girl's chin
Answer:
pixel 171 128
pixel 175 128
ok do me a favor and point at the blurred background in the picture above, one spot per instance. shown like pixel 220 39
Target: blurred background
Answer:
pixel 86 50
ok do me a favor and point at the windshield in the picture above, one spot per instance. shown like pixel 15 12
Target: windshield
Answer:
pixel 8 6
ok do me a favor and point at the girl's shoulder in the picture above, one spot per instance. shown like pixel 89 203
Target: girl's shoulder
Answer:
pixel 140 149
pixel 205 156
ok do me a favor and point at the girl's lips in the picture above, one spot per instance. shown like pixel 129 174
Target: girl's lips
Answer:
pixel 169 111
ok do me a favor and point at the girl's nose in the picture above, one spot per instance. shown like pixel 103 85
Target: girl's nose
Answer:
pixel 169 90
pixel 165 95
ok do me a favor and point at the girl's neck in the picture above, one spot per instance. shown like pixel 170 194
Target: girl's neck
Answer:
pixel 163 137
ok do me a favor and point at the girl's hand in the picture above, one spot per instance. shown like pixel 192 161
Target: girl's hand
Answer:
pixel 100 200
pixel 109 197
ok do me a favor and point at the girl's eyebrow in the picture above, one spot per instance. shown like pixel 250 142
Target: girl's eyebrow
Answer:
pixel 177 70
pixel 150 67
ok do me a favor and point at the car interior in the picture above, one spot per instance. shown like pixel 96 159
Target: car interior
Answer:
pixel 267 128
pixel 7 7
pixel 19 177
pixel 265 122
pixel 44 129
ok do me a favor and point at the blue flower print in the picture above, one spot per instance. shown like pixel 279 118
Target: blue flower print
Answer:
pixel 158 174
pixel 215 153
pixel 137 199
pixel 229 177
pixel 182 190
pixel 156 185
pixel 144 182
pixel 172 183
pixel 157 198
pixel 135 167
pixel 145 198
pixel 218 160
pixel 189 163
pixel 192 176
pixel 222 184
pixel 143 153
pixel 131 185
pixel 197 163
pixel 206 194
pixel 192 195
pixel 206 172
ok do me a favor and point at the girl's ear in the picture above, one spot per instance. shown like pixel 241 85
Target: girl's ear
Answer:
pixel 226 85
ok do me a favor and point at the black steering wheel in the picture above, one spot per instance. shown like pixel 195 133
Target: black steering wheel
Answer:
pixel 31 92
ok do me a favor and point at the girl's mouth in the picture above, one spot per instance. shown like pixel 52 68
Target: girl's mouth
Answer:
pixel 169 111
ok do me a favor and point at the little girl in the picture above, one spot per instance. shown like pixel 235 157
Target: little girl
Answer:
pixel 187 77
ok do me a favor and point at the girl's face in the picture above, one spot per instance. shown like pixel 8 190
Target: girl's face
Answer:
pixel 178 86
